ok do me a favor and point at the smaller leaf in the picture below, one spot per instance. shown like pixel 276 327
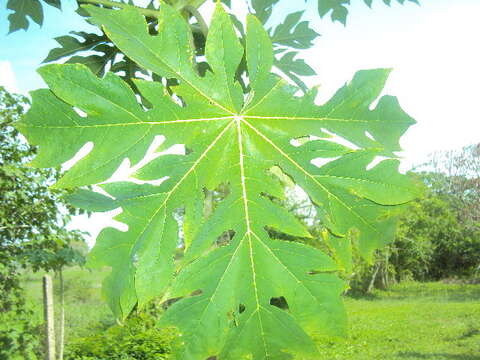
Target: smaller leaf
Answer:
pixel 294 33
pixel 337 7
pixel 23 8
pixel 263 9
pixel 293 68
pixel 70 45
pixel 54 3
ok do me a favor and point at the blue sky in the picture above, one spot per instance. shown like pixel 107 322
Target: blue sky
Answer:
pixel 26 50
pixel 433 49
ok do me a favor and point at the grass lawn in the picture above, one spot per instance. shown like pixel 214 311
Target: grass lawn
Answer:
pixel 85 311
pixel 410 321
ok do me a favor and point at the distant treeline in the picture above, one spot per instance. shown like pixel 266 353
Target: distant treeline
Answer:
pixel 439 234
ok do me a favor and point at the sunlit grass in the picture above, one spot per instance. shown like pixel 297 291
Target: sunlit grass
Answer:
pixel 410 321
pixel 434 321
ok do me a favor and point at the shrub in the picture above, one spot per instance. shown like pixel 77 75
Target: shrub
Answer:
pixel 138 338
pixel 19 334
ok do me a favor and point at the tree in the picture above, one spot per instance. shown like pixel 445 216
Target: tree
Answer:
pixel 458 178
pixel 244 130
pixel 32 226
pixel 435 240
pixel 447 242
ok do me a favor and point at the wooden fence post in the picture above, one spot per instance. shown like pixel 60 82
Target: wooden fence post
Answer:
pixel 61 341
pixel 49 318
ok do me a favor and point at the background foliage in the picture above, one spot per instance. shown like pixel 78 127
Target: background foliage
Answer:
pixel 32 229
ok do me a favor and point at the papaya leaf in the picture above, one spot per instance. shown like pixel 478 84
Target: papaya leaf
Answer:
pixel 338 9
pixel 293 68
pixel 294 33
pixel 21 10
pixel 55 3
pixel 70 45
pixel 263 9
pixel 244 294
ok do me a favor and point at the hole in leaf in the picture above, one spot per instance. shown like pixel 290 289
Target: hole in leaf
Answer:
pixel 208 202
pixel 214 197
pixel 375 162
pixel 179 216
pixel 84 151
pixel 277 234
pixel 241 308
pixel 186 151
pixel 299 141
pixel 197 292
pixel 301 205
pixel 369 135
pixel 222 191
pixel 167 303
pixel 279 302
pixel 225 238
pixel 79 112
pixel 178 100
pixel 340 140
pixel 284 178
pixel 319 162
pixel 108 220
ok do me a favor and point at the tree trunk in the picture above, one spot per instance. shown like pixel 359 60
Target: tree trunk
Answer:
pixel 374 276
pixel 386 280
pixel 49 318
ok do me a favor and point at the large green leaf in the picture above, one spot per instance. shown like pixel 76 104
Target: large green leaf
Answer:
pixel 250 296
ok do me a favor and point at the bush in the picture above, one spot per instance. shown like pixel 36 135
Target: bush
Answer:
pixel 138 339
pixel 434 242
pixel 19 334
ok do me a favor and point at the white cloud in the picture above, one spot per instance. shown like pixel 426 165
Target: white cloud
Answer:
pixel 7 77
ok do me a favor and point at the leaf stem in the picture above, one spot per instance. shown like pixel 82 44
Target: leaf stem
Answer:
pixel 201 21
pixel 143 11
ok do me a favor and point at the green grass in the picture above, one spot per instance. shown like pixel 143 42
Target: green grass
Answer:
pixel 85 310
pixel 410 321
